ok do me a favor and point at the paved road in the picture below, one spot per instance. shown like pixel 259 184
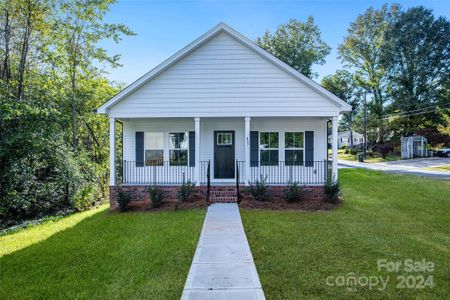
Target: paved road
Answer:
pixel 223 266
pixel 410 167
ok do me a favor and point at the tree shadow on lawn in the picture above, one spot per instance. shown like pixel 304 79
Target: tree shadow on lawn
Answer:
pixel 107 255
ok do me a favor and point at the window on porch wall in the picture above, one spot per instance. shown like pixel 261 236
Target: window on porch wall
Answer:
pixel 154 148
pixel 268 145
pixel 294 148
pixel 178 148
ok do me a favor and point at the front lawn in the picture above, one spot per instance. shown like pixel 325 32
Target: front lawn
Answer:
pixel 372 157
pixel 98 254
pixel 384 216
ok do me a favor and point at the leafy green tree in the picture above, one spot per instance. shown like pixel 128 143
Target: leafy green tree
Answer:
pixel 81 29
pixel 298 44
pixel 343 85
pixel 45 47
pixel 417 61
pixel 361 51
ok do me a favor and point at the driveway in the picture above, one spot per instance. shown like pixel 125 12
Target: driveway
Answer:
pixel 410 167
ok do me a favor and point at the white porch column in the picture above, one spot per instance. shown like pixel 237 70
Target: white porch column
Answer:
pixel 247 150
pixel 112 151
pixel 197 151
pixel 334 150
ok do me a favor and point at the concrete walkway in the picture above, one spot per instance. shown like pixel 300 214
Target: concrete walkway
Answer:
pixel 223 266
pixel 395 168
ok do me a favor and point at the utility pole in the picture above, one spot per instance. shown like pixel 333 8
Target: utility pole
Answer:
pixel 365 125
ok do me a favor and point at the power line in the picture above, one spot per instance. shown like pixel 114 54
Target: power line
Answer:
pixel 415 112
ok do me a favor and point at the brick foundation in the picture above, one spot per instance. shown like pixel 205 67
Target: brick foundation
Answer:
pixel 140 197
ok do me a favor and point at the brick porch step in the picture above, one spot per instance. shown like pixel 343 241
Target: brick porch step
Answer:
pixel 223 194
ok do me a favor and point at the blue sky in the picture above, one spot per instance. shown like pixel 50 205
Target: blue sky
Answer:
pixel 164 27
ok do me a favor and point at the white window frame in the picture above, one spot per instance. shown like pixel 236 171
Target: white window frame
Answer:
pixel 170 146
pixel 151 148
pixel 261 149
pixel 294 148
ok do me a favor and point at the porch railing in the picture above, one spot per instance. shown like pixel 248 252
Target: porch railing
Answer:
pixel 282 172
pixel 162 172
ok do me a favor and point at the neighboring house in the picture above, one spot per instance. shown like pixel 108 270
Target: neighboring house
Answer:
pixel 222 106
pixel 344 139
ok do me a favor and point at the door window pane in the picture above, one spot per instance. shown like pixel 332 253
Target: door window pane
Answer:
pixel 224 138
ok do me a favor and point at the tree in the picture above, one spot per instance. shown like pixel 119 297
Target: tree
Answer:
pixel 298 44
pixel 45 46
pixel 343 85
pixel 444 127
pixel 417 60
pixel 362 49
pixel 81 28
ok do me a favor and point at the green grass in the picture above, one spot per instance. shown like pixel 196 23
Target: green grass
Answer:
pixel 440 168
pixel 98 254
pixel 384 216
pixel 373 157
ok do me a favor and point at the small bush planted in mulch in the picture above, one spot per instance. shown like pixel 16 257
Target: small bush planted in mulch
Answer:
pixel 258 189
pixel 156 196
pixel 332 191
pixel 123 198
pixel 292 192
pixel 185 191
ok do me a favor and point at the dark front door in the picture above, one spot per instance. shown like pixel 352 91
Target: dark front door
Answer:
pixel 223 154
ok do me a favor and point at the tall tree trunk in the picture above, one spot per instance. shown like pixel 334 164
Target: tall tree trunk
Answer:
pixel 74 108
pixel 24 50
pixel 7 37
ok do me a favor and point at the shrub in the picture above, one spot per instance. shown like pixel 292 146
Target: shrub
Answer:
pixel 156 195
pixel 353 151
pixel 384 149
pixel 292 192
pixel 332 191
pixel 185 190
pixel 346 151
pixel 259 189
pixel 344 147
pixel 123 198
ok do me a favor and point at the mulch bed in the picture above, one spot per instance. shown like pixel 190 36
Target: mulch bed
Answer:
pixel 169 206
pixel 314 204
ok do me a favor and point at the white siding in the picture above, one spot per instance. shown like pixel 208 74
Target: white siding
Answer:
pixel 207 128
pixel 224 78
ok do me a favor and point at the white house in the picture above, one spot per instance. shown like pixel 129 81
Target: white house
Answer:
pixel 344 139
pixel 223 110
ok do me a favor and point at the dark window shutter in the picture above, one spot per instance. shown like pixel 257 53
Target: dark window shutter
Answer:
pixel 254 145
pixel 139 149
pixel 192 148
pixel 309 148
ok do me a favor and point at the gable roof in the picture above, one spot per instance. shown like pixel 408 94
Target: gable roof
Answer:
pixel 222 27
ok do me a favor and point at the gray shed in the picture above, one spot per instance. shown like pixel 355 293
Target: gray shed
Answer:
pixel 414 146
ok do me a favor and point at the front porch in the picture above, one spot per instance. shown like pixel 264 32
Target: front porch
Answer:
pixel 224 151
